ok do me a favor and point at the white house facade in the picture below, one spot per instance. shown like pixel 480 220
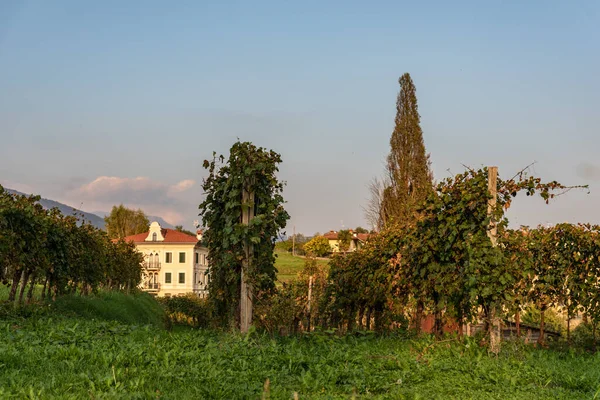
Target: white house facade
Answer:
pixel 175 263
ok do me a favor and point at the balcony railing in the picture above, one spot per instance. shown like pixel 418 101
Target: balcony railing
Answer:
pixel 151 287
pixel 151 265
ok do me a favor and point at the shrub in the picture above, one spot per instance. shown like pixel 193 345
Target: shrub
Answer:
pixel 584 336
pixel 188 309
pixel 553 320
pixel 287 309
pixel 318 246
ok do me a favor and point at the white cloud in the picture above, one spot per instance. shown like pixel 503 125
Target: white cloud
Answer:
pixel 20 187
pixel 153 197
pixel 182 186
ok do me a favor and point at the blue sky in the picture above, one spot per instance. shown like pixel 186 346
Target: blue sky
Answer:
pixel 110 102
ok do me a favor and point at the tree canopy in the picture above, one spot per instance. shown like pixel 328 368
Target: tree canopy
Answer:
pixel 408 178
pixel 44 247
pixel 123 221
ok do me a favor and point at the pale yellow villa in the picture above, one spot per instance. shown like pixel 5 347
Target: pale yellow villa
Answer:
pixel 175 263
pixel 357 240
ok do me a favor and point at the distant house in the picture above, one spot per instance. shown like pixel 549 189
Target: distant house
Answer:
pixel 175 263
pixel 357 241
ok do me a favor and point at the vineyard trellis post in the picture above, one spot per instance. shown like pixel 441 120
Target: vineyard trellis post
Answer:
pixel 246 288
pixel 310 284
pixel 494 320
pixel 294 242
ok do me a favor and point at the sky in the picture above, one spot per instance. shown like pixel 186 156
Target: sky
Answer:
pixel 112 102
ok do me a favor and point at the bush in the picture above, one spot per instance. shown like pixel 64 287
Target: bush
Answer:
pixel 286 311
pixel 281 313
pixel 288 245
pixel 188 310
pixel 583 336
pixel 318 247
pixel 553 320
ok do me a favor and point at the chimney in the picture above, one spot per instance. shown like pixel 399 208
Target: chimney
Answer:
pixel 199 234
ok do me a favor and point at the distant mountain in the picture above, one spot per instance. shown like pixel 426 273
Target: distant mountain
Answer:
pixel 95 220
pixel 162 222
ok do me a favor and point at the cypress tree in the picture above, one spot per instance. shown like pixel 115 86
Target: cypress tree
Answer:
pixel 408 166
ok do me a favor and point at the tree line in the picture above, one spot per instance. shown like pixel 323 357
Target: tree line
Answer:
pixel 445 249
pixel 58 252
pixel 442 249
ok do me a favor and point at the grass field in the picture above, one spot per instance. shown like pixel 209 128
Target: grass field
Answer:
pixel 79 358
pixel 110 346
pixel 289 266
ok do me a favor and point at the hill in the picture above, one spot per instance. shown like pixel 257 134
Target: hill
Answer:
pixel 95 218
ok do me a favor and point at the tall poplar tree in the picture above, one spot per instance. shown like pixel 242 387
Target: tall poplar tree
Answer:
pixel 409 179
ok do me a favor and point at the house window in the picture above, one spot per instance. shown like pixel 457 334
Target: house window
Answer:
pixel 197 258
pixel 168 257
pixel 167 277
pixel 182 277
pixel 154 237
pixel 181 258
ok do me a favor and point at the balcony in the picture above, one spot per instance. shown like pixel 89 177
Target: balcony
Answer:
pixel 151 265
pixel 151 287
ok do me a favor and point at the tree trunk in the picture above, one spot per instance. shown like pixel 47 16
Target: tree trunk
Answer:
pixel 351 319
pixel 541 337
pixel 23 285
pixel 368 322
pixel 419 316
pixel 493 325
pixel 45 287
pixel 361 316
pixel 31 287
pixel 518 322
pixel 568 327
pixel 438 322
pixel 15 284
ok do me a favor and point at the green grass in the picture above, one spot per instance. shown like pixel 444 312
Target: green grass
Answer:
pixel 113 346
pixel 289 266
pixel 75 358
pixel 5 291
pixel 136 308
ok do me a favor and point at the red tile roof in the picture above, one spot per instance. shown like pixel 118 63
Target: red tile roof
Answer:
pixel 331 235
pixel 170 235
pixel 363 236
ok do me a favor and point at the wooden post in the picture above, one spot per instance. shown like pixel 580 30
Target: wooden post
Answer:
pixel 294 242
pixel 246 288
pixel 492 187
pixel 494 321
pixel 310 283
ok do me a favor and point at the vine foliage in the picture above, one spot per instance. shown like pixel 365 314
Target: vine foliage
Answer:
pixel 252 169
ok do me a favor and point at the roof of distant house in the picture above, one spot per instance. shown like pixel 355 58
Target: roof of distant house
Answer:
pixel 333 235
pixel 170 235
